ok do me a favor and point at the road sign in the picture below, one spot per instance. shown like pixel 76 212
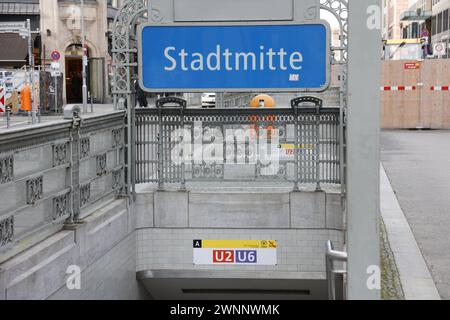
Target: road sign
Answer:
pixel 55 65
pixel 2 99
pixel 235 252
pixel 412 65
pixel 226 57
pixel 56 56
pixel 439 49
pixel 12 27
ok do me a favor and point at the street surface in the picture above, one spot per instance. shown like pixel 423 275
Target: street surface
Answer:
pixel 418 166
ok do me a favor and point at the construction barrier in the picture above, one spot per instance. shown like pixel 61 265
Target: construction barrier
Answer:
pixel 415 97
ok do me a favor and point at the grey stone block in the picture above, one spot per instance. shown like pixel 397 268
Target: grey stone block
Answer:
pixel 101 141
pixel 88 169
pixel 238 210
pixel 308 210
pixel 33 217
pixel 33 161
pixel 143 209
pixel 41 270
pixel 101 186
pixel 171 209
pixel 13 196
pixel 105 228
pixel 335 218
pixel 54 181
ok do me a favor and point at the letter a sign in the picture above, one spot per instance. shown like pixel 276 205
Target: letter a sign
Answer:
pixel 255 57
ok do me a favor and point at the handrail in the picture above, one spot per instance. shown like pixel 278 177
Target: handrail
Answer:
pixel 236 111
pixel 331 256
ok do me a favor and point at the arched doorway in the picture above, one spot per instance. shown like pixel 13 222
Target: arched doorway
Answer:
pixel 74 73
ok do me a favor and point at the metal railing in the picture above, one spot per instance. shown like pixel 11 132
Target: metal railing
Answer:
pixel 299 145
pixel 332 256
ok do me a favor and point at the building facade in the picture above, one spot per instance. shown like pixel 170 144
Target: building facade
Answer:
pixel 417 20
pixel 392 26
pixel 15 54
pixel 441 23
pixel 61 30
pixel 56 25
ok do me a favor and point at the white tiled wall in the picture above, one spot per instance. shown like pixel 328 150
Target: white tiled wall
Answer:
pixel 172 249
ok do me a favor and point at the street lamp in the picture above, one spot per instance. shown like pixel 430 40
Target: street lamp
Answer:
pixel 84 62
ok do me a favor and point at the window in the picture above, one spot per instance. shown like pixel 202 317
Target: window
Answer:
pixel 112 3
pixel 439 23
pixel 445 21
pixel 434 25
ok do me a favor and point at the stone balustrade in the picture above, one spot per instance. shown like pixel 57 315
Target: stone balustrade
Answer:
pixel 55 173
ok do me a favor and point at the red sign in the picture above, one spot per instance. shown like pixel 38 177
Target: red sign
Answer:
pixel 55 55
pixel 223 256
pixel 412 65
pixel 2 100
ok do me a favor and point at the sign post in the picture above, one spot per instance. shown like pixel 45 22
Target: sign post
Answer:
pixel 56 56
pixel 363 164
pixel 233 57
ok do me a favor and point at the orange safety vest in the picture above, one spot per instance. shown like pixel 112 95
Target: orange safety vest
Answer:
pixel 25 96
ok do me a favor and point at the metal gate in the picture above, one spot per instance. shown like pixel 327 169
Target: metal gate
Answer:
pixel 175 145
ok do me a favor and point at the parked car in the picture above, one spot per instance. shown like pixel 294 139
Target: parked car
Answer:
pixel 209 100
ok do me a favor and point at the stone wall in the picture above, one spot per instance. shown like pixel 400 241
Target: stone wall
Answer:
pixel 53 172
pixel 301 222
pixel 103 248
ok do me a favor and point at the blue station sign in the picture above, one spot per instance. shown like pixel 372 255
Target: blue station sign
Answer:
pixel 230 57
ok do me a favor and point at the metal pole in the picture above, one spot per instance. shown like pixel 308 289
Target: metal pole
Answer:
pixel 8 116
pixel 56 94
pixel 92 103
pixel 31 63
pixel 364 77
pixel 44 89
pixel 39 102
pixel 318 149
pixel 84 62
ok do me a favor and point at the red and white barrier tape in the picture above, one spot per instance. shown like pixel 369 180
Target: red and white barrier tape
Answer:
pixel 413 88
pixel 440 88
pixel 398 88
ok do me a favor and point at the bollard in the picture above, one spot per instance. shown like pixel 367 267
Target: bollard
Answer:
pixel 92 102
pixel 8 117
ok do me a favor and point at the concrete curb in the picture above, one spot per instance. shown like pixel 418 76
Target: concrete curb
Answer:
pixel 415 276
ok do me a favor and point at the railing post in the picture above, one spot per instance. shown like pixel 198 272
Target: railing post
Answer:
pixel 296 147
pixel 181 104
pixel 295 104
pixel 183 167
pixel 318 149
pixel 160 147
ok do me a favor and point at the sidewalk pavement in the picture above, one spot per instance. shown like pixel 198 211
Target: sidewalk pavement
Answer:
pixel 415 277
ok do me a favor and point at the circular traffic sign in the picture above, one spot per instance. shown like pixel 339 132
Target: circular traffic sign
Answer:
pixel 56 55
